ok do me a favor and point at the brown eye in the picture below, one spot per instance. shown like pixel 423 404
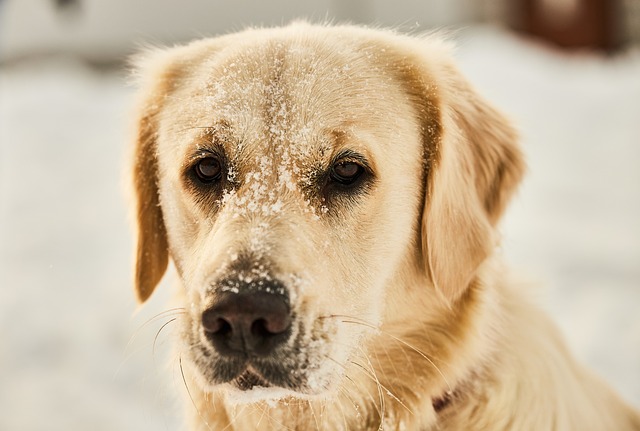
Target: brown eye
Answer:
pixel 346 172
pixel 208 169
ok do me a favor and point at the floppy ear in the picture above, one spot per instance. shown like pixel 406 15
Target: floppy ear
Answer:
pixel 152 254
pixel 475 165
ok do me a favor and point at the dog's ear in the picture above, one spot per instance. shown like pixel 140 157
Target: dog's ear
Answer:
pixel 473 167
pixel 156 72
pixel 152 255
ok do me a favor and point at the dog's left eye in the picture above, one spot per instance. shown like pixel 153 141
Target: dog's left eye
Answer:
pixel 346 172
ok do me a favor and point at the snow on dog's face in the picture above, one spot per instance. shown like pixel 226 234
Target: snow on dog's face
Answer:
pixel 285 173
pixel 286 170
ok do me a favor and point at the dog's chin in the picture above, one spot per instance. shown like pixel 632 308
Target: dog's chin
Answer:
pixel 250 387
pixel 257 394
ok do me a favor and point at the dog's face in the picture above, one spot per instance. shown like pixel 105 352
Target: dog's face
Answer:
pixel 280 175
pixel 291 177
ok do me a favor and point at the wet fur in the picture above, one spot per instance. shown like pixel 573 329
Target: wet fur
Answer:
pixel 400 298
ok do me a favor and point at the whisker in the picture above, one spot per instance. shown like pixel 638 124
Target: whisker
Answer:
pixel 127 357
pixel 379 386
pixel 271 419
pixel 374 378
pixel 264 411
pixel 371 374
pixel 136 333
pixel 155 339
pixel 191 397
pixel 355 385
pixel 323 408
pixel 368 394
pixel 313 413
pixel 235 417
pixel 399 340
pixel 390 361
pixel 346 394
pixel 166 313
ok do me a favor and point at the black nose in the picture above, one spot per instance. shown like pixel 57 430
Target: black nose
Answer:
pixel 251 323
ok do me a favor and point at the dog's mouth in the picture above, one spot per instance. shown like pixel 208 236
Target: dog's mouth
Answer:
pixel 249 375
pixel 250 379
pixel 250 386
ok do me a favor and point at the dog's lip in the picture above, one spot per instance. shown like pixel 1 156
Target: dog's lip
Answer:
pixel 250 379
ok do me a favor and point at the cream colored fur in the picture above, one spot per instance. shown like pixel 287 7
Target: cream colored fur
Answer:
pixel 400 298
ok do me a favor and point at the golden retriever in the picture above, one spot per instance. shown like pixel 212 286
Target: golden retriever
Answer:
pixel 329 197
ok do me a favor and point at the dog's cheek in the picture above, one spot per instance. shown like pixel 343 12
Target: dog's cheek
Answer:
pixel 180 221
pixel 361 264
pixel 324 350
pixel 192 357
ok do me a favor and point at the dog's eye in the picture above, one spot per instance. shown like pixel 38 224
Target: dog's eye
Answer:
pixel 208 169
pixel 346 172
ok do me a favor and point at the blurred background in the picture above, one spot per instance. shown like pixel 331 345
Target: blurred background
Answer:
pixel 76 354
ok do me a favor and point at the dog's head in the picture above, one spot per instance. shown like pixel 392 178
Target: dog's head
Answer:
pixel 296 177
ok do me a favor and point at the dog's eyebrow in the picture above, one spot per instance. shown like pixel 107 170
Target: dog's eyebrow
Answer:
pixel 215 137
pixel 219 127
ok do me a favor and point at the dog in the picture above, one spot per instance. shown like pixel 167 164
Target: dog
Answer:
pixel 329 196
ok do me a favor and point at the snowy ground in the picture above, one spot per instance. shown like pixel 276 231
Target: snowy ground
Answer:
pixel 66 302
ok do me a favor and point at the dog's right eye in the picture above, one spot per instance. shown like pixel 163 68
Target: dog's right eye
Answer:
pixel 208 169
pixel 346 173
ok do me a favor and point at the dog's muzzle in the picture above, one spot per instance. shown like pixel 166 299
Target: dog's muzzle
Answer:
pixel 250 336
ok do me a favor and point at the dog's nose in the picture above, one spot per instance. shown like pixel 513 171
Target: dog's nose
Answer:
pixel 247 323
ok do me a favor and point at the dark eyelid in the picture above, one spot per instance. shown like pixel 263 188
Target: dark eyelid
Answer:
pixel 204 150
pixel 203 153
pixel 351 156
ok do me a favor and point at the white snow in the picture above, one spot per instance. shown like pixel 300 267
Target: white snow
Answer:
pixel 66 301
pixel 257 394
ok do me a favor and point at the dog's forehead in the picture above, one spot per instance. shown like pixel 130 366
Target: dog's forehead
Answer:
pixel 282 96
